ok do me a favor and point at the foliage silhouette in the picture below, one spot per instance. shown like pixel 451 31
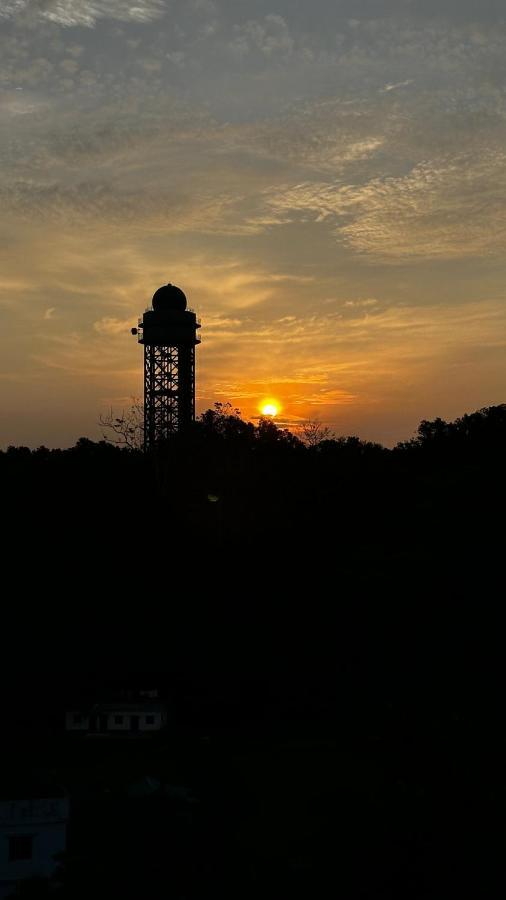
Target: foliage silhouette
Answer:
pixel 326 625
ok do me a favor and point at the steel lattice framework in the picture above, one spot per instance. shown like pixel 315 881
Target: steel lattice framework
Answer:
pixel 169 391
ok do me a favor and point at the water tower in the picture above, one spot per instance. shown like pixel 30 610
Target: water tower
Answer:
pixel 168 331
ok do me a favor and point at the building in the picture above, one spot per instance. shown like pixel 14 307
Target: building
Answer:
pixel 33 831
pixel 132 714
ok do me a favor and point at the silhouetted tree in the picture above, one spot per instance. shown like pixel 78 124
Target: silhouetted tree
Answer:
pixel 224 421
pixel 314 432
pixel 268 433
pixel 126 429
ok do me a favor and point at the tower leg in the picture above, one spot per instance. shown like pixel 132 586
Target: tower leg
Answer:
pixel 186 399
pixel 161 394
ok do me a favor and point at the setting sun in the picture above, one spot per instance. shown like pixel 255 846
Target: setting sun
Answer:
pixel 269 408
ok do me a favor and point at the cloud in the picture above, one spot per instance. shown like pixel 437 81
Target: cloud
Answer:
pixel 20 103
pixel 81 12
pixel 269 36
pixel 394 87
pixel 109 325
pixel 448 208
pixel 326 136
pixel 353 304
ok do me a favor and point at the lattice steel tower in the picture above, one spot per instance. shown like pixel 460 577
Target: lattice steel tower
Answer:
pixel 169 333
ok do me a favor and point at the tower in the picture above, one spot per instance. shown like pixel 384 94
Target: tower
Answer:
pixel 168 331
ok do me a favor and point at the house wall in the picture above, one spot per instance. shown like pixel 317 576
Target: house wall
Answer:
pixel 72 725
pixel 45 821
pixel 144 724
pixel 105 722
pixel 124 725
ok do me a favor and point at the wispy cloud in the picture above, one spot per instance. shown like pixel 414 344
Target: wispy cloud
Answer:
pixel 394 87
pixel 448 208
pixel 81 12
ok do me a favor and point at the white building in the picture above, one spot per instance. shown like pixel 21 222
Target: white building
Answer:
pixel 138 716
pixel 32 832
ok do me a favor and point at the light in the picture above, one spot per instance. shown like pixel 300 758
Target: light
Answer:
pixel 270 408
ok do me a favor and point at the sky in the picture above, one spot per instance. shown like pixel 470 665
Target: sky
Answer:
pixel 325 179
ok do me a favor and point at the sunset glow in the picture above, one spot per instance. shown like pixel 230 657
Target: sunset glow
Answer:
pixel 325 181
pixel 270 408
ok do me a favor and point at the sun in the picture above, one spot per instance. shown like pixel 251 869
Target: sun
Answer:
pixel 270 408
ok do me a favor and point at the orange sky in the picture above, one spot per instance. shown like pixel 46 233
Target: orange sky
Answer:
pixel 327 187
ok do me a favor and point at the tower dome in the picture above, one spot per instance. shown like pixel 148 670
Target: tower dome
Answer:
pixel 169 297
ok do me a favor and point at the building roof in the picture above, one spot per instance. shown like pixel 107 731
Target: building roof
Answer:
pixel 132 706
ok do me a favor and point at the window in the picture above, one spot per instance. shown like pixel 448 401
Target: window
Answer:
pixel 77 719
pixel 20 847
pixel 150 720
pixel 118 720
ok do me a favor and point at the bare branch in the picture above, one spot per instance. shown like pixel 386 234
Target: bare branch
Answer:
pixel 314 432
pixel 127 429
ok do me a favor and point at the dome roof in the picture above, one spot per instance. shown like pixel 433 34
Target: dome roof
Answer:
pixel 169 297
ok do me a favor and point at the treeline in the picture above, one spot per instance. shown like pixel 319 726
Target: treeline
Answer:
pixel 230 494
pixel 229 484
